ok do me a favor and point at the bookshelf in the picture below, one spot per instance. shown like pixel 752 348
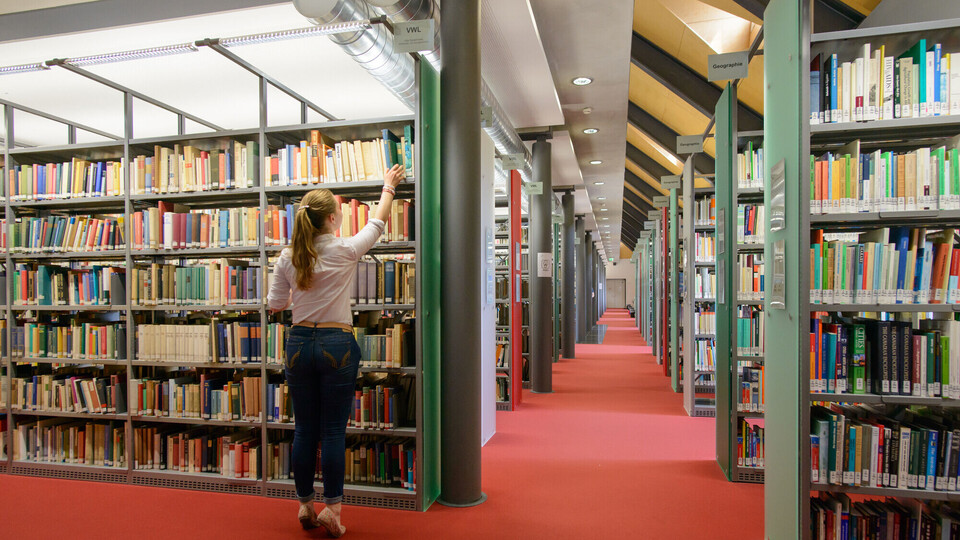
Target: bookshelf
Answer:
pixel 263 436
pixel 509 298
pixel 699 334
pixel 740 314
pixel 674 276
pixel 798 398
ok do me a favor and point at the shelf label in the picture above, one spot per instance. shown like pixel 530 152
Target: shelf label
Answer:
pixel 778 291
pixel 778 196
pixel 721 280
pixel 661 201
pixel 413 36
pixel 491 267
pixel 545 265
pixel 727 66
pixel 511 161
pixel 721 238
pixel 534 188
pixel 689 144
pixel 674 181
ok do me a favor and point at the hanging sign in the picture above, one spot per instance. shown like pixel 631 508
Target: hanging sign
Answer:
pixel 511 161
pixel 649 224
pixel 671 182
pixel 413 36
pixel 689 144
pixel 534 188
pixel 660 201
pixel 724 67
pixel 557 220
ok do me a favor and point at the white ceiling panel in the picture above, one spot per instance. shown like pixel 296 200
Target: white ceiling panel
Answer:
pixel 592 40
pixel 202 83
pixel 515 65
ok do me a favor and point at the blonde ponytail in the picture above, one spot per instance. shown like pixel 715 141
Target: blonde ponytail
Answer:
pixel 313 212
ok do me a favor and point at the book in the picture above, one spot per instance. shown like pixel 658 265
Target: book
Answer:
pixel 205 282
pixel 59 234
pixel 77 178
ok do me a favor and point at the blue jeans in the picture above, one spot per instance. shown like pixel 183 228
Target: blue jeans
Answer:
pixel 321 369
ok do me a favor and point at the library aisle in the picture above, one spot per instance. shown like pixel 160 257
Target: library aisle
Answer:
pixel 610 454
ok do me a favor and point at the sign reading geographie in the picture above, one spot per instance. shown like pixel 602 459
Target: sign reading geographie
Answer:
pixel 728 66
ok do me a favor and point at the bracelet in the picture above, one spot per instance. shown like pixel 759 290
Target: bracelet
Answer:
pixel 390 190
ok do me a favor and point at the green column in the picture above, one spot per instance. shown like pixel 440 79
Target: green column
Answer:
pixel 726 306
pixel 786 134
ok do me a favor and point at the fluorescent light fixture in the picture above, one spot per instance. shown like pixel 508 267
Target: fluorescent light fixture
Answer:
pixel 310 31
pixel 596 162
pixel 582 81
pixel 137 54
pixel 598 183
pixel 603 209
pixel 601 198
pixel 604 218
pixel 591 131
pixel 23 68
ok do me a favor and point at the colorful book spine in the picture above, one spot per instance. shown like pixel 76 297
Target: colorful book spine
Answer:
pixel 77 178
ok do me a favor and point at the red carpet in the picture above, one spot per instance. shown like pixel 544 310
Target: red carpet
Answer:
pixel 610 454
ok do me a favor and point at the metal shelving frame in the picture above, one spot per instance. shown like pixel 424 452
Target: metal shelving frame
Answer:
pixel 694 381
pixel 126 148
pixel 790 137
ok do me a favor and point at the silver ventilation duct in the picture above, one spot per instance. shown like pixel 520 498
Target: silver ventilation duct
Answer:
pixel 373 49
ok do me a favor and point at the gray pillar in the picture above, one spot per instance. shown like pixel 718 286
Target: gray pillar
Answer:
pixel 462 246
pixel 596 284
pixel 589 269
pixel 568 315
pixel 581 246
pixel 541 288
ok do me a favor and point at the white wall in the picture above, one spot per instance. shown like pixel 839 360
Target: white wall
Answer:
pixel 625 269
pixel 488 311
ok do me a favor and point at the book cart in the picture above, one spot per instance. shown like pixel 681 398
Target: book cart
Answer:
pixel 422 189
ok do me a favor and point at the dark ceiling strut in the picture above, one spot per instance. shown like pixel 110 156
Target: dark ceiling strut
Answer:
pixel 665 137
pixel 647 163
pixel 689 85
pixel 60 62
pixel 755 7
pixel 214 44
pixel 48 116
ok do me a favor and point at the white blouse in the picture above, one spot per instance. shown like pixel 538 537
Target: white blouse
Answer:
pixel 334 276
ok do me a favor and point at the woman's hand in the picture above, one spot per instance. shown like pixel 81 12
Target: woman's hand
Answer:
pixel 394 176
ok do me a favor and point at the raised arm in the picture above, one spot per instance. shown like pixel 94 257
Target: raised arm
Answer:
pixel 367 237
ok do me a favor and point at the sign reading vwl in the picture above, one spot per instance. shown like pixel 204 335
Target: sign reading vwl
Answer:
pixel 511 161
pixel 413 36
pixel 724 67
pixel 660 201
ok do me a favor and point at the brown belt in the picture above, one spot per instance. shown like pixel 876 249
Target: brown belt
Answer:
pixel 308 324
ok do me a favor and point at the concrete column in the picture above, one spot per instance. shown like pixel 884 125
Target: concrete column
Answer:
pixel 589 271
pixel 568 315
pixel 581 281
pixel 462 261
pixel 541 283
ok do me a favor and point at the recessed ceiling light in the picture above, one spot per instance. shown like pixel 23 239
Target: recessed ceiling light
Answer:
pixel 603 218
pixel 601 198
pixel 591 131
pixel 603 209
pixel 598 183
pixel 596 162
pixel 582 81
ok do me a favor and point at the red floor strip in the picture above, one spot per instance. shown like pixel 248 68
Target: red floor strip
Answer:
pixel 610 454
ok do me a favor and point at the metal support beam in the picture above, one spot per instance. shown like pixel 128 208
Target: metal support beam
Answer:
pixel 581 245
pixel 568 316
pixel 636 212
pixel 461 244
pixel 541 286
pixel 120 88
pixel 41 114
pixel 636 201
pixel 834 15
pixel 686 83
pixel 665 137
pixel 647 163
pixel 214 44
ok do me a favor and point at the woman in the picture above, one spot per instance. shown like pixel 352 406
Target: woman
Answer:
pixel 322 356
